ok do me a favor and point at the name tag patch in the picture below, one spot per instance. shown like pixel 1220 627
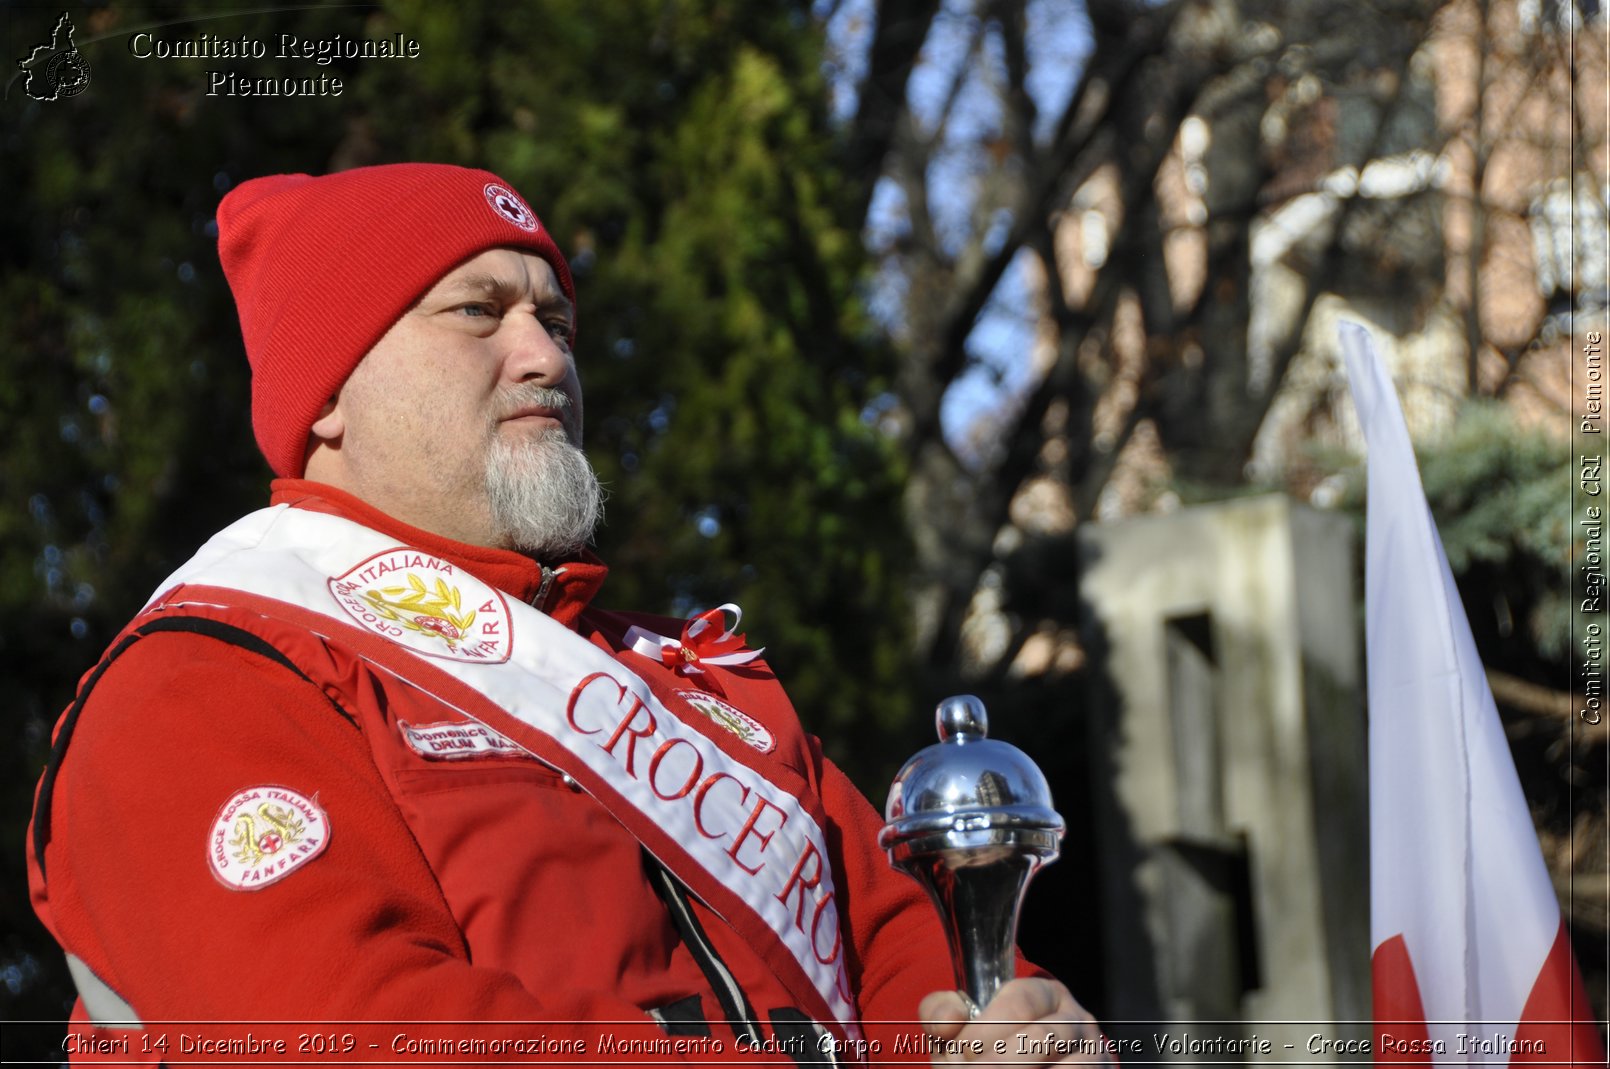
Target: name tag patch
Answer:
pixel 453 740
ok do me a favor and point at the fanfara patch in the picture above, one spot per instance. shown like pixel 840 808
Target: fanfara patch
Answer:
pixel 426 604
pixel 263 834
pixel 454 739
pixel 508 204
pixel 734 720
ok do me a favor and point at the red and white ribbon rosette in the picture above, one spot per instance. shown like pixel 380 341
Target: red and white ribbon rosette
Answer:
pixel 701 642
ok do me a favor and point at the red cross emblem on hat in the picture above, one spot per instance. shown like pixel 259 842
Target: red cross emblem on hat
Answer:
pixel 508 204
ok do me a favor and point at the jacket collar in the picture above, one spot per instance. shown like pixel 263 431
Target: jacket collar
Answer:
pixel 572 583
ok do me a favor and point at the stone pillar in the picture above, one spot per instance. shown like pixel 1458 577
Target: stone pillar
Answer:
pixel 1228 763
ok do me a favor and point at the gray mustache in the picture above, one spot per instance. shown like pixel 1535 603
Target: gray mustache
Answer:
pixel 529 395
pixel 533 395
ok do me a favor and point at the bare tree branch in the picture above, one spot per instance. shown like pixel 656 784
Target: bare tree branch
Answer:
pixel 1115 76
pixel 902 28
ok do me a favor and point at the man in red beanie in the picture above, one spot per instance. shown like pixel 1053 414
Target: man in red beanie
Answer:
pixel 372 757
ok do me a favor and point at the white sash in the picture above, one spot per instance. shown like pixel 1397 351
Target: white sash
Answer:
pixel 717 822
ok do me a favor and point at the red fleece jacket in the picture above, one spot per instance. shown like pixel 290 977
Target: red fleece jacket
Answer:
pixel 481 889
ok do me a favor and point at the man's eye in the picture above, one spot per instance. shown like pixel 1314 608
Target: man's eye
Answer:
pixel 560 330
pixel 475 310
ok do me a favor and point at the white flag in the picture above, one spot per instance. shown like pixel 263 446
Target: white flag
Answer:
pixel 1470 957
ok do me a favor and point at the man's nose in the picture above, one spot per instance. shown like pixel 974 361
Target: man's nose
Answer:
pixel 535 354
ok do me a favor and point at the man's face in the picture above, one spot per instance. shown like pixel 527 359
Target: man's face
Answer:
pixel 465 418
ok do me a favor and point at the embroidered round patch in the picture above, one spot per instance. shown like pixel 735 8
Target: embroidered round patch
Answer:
pixel 426 604
pixel 734 720
pixel 263 834
pixel 507 203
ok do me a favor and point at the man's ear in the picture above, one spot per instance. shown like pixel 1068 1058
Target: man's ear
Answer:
pixel 331 424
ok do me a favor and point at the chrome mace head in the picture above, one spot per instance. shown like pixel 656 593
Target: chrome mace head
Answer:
pixel 970 819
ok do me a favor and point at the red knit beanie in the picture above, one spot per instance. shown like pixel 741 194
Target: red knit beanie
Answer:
pixel 322 267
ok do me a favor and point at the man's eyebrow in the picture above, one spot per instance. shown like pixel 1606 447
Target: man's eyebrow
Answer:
pixel 487 284
pixel 501 287
pixel 557 302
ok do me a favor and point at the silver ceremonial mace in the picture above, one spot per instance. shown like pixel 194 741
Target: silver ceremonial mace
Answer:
pixel 970 819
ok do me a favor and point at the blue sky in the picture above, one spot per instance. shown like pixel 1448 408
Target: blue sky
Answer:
pixel 1058 43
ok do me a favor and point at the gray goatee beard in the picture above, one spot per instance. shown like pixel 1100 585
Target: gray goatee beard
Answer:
pixel 544 496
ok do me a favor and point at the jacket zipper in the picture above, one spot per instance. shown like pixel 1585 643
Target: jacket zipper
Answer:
pixel 539 600
pixel 734 1005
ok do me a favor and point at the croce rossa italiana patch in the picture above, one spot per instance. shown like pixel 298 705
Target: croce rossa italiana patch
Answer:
pixel 733 719
pixel 263 834
pixel 425 603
